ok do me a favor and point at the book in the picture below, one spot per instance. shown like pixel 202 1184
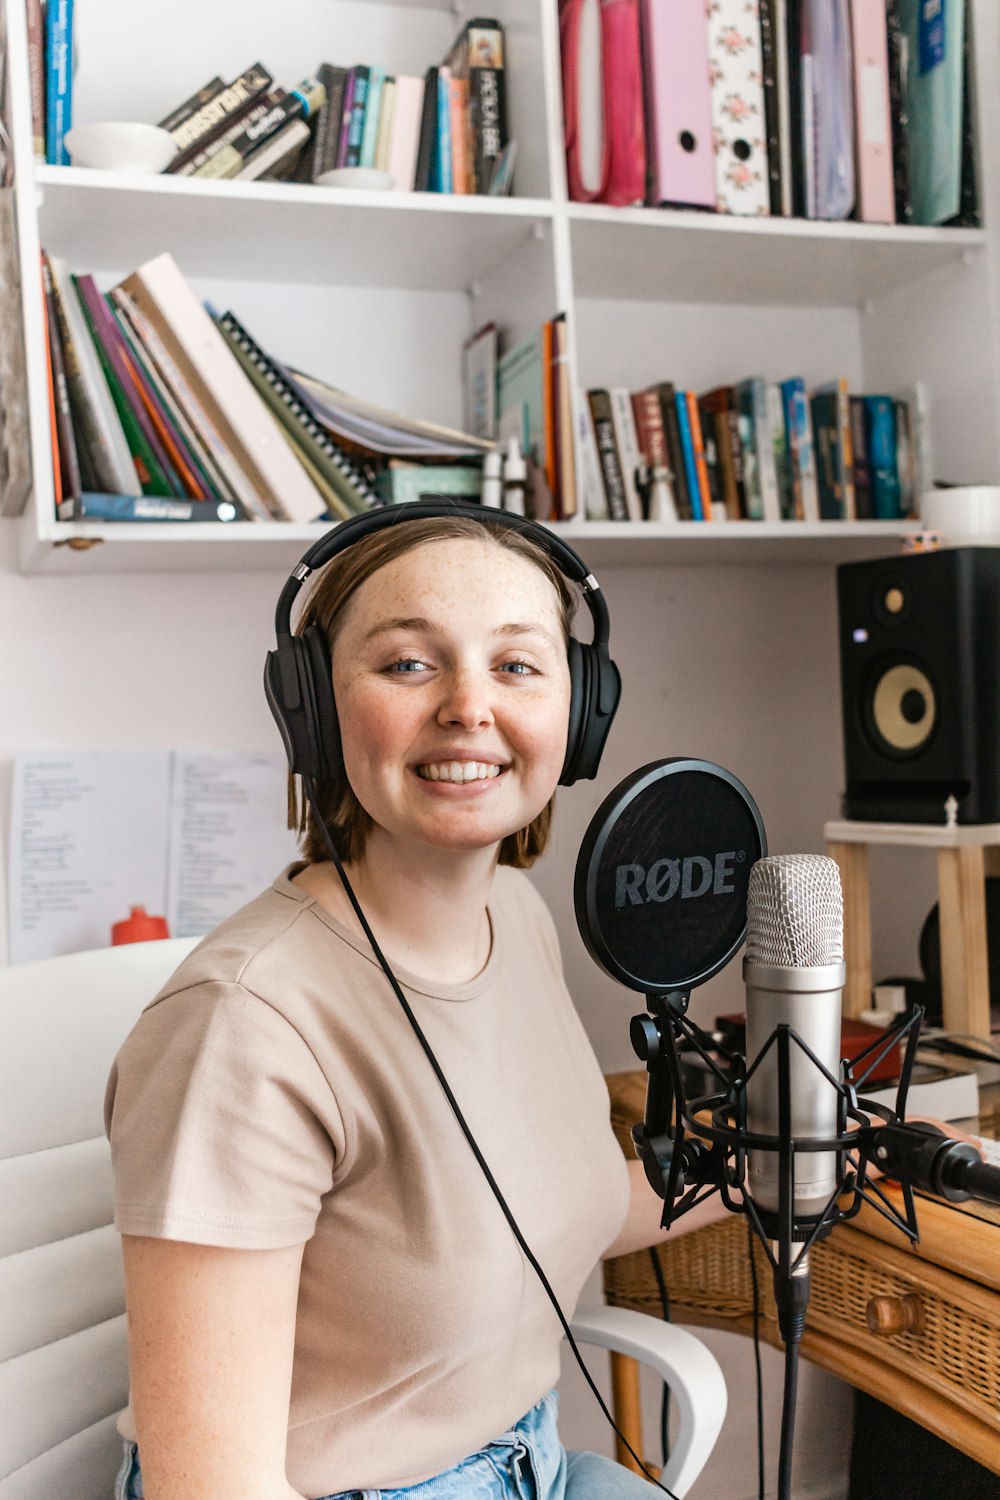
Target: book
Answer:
pixel 480 368
pixel 152 464
pixel 399 482
pixel 240 157
pixel 353 124
pixel 404 139
pixel 656 488
pixel 385 121
pixel 58 80
pixel 898 111
pixel 627 443
pixel 880 426
pixel 796 422
pixel 779 450
pixel 717 411
pixel 161 292
pixel 595 501
pixel 361 425
pixel 276 157
pixel 770 34
pixel 938 1092
pixel 105 460
pixel 760 474
pixel 843 452
pixel 607 452
pixel 228 480
pixel 211 119
pixel 692 481
pixel 184 111
pixel 441 173
pixel 700 457
pixel 373 110
pixel 427 137
pixel 521 379
pixel 863 505
pixel 351 492
pixel 235 126
pixel 906 465
pixel 461 163
pixel 477 58
pixel 63 436
pixel 675 452
pixel 36 75
pixel 823 410
pixel 95 506
pixel 321 154
pixel 565 493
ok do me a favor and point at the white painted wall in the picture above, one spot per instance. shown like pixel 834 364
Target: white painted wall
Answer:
pixel 734 664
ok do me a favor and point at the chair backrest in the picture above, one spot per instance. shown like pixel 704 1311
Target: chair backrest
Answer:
pixel 63 1350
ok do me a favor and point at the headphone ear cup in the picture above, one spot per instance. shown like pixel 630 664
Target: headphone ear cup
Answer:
pixel 578 704
pixel 316 680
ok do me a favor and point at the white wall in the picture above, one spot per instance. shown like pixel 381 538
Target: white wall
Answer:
pixel 734 664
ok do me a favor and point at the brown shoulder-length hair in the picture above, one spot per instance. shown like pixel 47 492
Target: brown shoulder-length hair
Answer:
pixel 348 822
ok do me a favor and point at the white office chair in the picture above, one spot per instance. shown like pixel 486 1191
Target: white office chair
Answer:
pixel 63 1348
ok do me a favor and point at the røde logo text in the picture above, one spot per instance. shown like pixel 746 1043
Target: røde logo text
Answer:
pixel 694 876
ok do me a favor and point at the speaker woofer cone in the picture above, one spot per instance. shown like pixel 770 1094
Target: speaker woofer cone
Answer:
pixel 901 709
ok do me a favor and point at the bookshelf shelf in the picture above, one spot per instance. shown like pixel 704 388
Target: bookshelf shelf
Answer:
pixel 663 255
pixel 242 546
pixel 415 241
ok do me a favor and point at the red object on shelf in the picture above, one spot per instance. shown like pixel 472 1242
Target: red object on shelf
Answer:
pixel 138 927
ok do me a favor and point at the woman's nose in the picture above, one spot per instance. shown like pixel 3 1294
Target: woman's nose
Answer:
pixel 467 699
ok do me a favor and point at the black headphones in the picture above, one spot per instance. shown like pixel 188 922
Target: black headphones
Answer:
pixel 297 674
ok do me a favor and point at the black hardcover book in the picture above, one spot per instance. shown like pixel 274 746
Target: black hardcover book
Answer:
pixel 322 155
pixel 824 410
pixel 187 109
pixel 899 116
pixel 675 449
pixel 769 42
pixel 607 453
pixel 794 23
pixel 863 503
pixel 427 141
pixel 968 216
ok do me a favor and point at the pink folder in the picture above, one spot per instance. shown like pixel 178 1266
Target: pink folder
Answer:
pixel 678 102
pixel 622 174
pixel 873 144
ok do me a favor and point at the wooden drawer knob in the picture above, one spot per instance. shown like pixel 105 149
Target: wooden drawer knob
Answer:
pixel 888 1315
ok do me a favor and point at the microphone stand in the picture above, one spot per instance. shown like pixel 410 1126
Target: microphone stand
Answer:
pixel 691 1149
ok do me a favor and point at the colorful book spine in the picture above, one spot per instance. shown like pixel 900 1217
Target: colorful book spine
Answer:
pixel 63 435
pixel 826 442
pixel 607 452
pixel 235 128
pixel 461 164
pixel 687 452
pixel 668 410
pixel 863 505
pixel 373 110
pixel 880 412
pixel 346 117
pixel 442 175
pixel 794 424
pixel 58 80
pixel 700 457
pixel 780 452
pixel 350 146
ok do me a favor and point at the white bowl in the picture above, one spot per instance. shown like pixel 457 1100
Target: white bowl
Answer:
pixel 356 177
pixel 120 146
pixel 965 515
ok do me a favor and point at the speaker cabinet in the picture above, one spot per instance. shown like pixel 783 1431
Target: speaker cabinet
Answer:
pixel 920 684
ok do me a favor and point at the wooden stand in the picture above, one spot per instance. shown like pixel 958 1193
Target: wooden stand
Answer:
pixel 965 855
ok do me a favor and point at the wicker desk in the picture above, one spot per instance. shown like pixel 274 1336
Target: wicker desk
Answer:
pixel 918 1328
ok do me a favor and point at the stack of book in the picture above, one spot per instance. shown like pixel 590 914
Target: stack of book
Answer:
pixel 443 133
pixel 162 410
pixel 821 109
pixel 757 450
pixel 249 128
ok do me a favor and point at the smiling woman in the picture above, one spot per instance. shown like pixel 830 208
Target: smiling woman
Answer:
pixel 324 1297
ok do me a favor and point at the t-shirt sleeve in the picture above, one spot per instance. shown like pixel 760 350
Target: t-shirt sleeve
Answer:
pixel 223 1127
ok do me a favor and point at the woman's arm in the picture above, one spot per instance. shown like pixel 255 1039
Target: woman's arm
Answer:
pixel 211 1334
pixel 642 1222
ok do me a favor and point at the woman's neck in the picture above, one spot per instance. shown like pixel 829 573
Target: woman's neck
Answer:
pixel 427 908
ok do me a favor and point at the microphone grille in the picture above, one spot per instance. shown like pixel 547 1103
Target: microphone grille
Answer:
pixel 795 912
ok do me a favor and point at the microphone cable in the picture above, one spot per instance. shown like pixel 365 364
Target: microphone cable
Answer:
pixel 755 1290
pixel 529 1255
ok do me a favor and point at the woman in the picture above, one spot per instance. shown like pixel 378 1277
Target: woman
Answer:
pixel 324 1297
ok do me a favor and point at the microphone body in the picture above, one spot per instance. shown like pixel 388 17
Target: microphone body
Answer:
pixel 808 1000
pixel 794 972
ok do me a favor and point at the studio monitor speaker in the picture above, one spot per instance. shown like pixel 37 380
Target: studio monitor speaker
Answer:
pixel 920 683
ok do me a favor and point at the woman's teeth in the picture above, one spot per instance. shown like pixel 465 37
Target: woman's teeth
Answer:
pixel 459 770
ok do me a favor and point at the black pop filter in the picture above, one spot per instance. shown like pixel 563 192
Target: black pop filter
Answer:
pixel 662 874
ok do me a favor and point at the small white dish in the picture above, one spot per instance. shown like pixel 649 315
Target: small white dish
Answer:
pixel 368 178
pixel 120 146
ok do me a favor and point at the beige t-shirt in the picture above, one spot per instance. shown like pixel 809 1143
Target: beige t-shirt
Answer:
pixel 274 1093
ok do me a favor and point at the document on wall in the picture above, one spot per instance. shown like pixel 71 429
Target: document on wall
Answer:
pixel 228 838
pixel 190 836
pixel 89 835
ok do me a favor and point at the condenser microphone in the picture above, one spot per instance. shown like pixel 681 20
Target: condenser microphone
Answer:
pixel 794 972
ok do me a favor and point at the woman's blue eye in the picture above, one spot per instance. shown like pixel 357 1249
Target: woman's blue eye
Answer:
pixel 518 668
pixel 406 664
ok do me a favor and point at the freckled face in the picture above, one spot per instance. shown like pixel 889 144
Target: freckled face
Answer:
pixel 452 687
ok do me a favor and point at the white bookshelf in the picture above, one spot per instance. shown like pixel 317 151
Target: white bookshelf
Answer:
pixel 377 291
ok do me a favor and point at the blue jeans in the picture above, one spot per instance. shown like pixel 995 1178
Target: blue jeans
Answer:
pixel 526 1463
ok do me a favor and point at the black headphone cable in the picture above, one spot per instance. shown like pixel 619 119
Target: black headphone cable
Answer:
pixel 310 791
